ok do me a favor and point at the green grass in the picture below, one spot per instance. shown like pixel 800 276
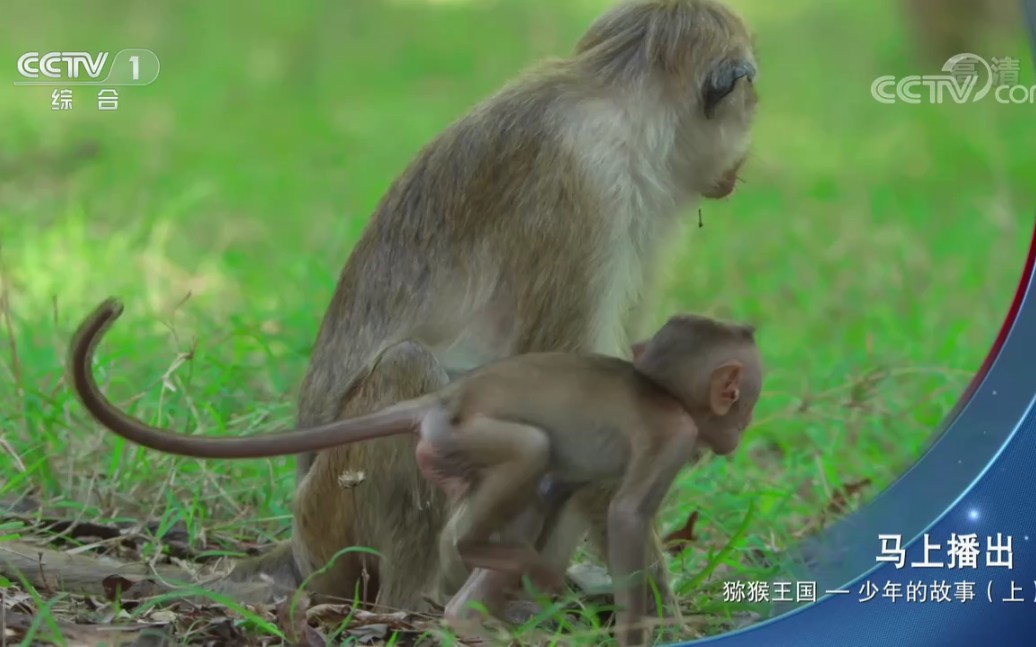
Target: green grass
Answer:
pixel 875 247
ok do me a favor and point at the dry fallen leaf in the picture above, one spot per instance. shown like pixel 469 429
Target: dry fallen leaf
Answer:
pixel 14 600
pixel 328 613
pixel 677 540
pixel 367 634
pixel 841 496
pixel 589 579
pixel 128 591
pixel 291 617
pixel 18 625
pixel 163 616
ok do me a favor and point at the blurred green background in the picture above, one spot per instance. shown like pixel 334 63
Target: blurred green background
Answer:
pixel 876 247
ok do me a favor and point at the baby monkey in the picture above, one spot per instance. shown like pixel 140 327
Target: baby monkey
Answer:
pixel 499 432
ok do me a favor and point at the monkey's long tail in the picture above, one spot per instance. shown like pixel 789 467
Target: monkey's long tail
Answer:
pixel 401 418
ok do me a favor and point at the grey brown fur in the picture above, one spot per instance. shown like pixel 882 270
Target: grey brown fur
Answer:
pixel 531 224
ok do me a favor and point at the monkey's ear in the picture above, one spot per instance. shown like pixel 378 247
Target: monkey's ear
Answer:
pixel 724 387
pixel 722 80
pixel 638 349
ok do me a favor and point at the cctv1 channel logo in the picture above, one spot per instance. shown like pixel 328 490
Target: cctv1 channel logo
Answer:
pixel 127 67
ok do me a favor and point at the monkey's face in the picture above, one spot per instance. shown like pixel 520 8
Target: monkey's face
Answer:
pixel 720 132
pixel 724 186
pixel 692 62
pixel 715 117
pixel 722 433
pixel 731 399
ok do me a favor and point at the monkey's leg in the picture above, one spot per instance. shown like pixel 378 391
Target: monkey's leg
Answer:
pixel 371 494
pixel 515 555
pixel 515 457
pixel 590 507
pixel 514 551
pixel 498 566
pixel 497 570
pixel 518 560
pixel 486 588
pixel 630 516
pixel 457 457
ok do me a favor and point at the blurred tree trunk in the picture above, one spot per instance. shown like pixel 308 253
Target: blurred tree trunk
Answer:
pixel 941 28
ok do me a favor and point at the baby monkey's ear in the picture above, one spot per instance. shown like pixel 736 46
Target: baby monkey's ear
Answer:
pixel 724 387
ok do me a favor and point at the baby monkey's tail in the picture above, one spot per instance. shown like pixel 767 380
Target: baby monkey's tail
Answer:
pixel 400 418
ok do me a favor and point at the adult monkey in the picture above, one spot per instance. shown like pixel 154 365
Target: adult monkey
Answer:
pixel 531 224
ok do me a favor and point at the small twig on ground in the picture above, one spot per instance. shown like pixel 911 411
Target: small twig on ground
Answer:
pixel 6 446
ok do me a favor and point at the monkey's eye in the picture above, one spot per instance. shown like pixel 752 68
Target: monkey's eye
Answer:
pixel 722 81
